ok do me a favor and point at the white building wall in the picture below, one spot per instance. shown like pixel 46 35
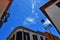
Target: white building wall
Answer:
pixel 31 33
pixel 54 13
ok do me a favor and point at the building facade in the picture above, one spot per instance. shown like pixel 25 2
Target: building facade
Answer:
pixel 22 33
pixel 4 5
pixel 51 37
pixel 52 12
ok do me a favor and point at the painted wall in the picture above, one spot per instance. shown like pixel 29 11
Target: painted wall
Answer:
pixel 54 13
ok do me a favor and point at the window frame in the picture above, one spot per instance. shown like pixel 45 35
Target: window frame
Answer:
pixel 19 36
pixel 35 37
pixel 41 38
pixel 27 35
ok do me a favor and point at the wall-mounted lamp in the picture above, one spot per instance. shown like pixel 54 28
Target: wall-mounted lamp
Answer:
pixel 4 18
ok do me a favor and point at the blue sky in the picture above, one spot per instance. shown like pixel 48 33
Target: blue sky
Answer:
pixel 26 13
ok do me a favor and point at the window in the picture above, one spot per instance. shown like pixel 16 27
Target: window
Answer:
pixel 41 37
pixel 26 36
pixel 58 4
pixel 35 37
pixel 13 37
pixel 45 38
pixel 19 35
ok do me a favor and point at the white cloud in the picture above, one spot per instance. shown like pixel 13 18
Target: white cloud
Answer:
pixel 36 15
pixel 33 6
pixel 33 11
pixel 34 1
pixel 29 19
pixel 26 23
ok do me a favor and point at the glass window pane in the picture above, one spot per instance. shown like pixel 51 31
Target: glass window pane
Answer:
pixel 35 37
pixel 19 35
pixel 26 36
pixel 45 38
pixel 41 37
pixel 13 37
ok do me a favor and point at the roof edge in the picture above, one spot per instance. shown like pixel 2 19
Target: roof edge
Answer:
pixel 22 27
